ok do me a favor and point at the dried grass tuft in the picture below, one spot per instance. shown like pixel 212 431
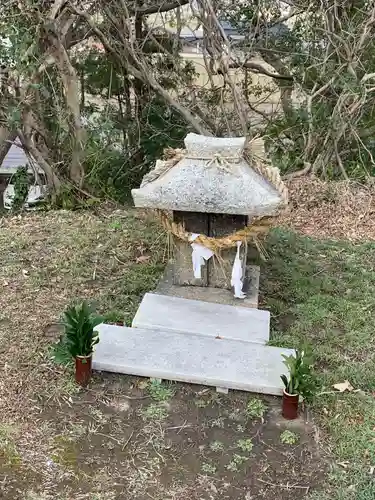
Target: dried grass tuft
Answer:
pixel 330 210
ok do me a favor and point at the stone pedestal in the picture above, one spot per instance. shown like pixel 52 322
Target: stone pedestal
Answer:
pixel 216 272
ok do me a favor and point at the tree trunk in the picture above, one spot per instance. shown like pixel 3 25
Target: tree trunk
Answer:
pixel 70 82
pixel 285 86
pixel 139 91
pixel 7 137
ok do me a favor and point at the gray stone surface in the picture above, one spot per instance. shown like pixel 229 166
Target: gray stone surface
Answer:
pixel 209 294
pixel 190 358
pixel 173 314
pixel 197 184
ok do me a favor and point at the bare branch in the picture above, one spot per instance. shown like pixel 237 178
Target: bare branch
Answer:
pixel 138 68
pixel 158 9
pixel 258 68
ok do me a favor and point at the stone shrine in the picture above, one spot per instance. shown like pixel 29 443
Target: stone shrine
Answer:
pixel 212 189
pixel 214 198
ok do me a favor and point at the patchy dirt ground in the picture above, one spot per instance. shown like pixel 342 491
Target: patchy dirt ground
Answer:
pixel 122 438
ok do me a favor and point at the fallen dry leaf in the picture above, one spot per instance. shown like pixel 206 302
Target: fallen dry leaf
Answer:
pixel 143 258
pixel 343 386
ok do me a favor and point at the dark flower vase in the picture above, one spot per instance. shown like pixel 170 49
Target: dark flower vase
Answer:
pixel 290 406
pixel 83 370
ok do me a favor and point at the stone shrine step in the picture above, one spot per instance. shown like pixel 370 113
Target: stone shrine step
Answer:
pixel 195 317
pixel 190 358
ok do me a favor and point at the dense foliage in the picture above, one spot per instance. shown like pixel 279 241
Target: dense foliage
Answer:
pixel 95 99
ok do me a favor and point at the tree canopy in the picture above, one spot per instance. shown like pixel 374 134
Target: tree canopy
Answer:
pixel 95 90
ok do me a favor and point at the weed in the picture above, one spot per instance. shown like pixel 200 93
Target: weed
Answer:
pixel 218 422
pixel 115 225
pixel 216 446
pixel 21 188
pixel 235 415
pixel 113 317
pixel 236 462
pixel 159 391
pixel 201 403
pixel 240 428
pixel 208 468
pixel 155 411
pixel 8 450
pixel 289 437
pixel 67 387
pixel 65 451
pixel 98 415
pixel 31 495
pixel 245 445
pixel 255 408
pixel 77 431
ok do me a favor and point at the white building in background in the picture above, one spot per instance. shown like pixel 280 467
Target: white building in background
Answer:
pixel 15 158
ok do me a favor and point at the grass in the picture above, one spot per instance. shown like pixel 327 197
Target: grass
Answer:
pixel 322 292
pixel 8 451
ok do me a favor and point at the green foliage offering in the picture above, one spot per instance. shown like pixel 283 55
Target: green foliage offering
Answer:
pixel 21 188
pixel 289 437
pixel 300 379
pixel 79 336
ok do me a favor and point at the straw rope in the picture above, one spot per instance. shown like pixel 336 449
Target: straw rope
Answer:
pixel 255 155
pixel 257 229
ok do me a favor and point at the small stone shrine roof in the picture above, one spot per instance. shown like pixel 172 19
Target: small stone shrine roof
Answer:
pixel 213 176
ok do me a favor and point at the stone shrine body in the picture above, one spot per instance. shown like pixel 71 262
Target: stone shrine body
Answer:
pixel 214 191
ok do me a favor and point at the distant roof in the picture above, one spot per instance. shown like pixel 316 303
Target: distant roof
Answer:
pixel 235 33
pixel 15 158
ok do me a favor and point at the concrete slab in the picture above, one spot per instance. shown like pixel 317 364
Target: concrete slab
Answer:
pixel 210 294
pixel 173 314
pixel 190 358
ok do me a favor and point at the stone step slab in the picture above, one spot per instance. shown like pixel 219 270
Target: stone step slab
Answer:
pixel 190 358
pixel 195 317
